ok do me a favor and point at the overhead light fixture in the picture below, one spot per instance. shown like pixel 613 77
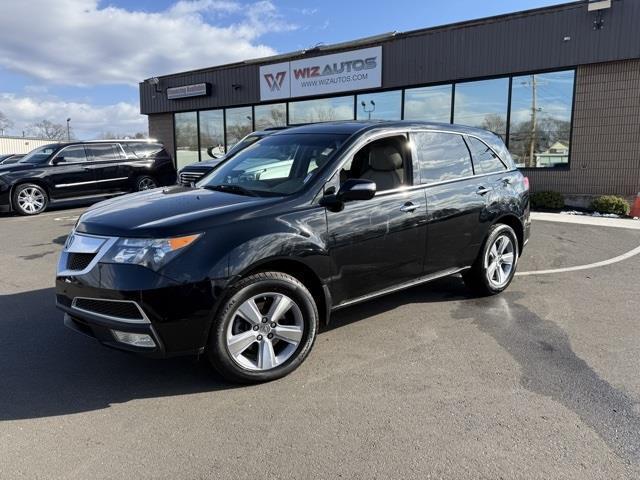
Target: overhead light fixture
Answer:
pixel 595 5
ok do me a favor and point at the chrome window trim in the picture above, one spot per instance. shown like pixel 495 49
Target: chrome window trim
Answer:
pixel 506 168
pixel 70 163
pixel 143 320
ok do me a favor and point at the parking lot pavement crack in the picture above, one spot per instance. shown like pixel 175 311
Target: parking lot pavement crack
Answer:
pixel 551 368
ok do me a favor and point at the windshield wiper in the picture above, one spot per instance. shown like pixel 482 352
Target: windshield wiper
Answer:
pixel 227 187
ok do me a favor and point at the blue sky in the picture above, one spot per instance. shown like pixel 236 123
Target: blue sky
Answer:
pixel 83 58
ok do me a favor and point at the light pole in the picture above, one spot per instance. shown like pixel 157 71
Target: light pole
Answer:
pixel 370 110
pixel 68 130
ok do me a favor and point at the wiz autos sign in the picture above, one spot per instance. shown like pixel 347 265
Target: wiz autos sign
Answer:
pixel 355 70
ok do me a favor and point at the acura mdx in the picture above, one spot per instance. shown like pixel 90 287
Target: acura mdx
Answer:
pixel 243 268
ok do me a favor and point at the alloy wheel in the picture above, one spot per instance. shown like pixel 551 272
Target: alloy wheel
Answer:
pixel 499 261
pixel 146 183
pixel 265 331
pixel 31 200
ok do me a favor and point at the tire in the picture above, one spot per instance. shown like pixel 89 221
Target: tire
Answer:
pixel 145 182
pixel 244 348
pixel 490 275
pixel 29 199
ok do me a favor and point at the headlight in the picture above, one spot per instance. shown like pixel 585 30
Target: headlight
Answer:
pixel 150 253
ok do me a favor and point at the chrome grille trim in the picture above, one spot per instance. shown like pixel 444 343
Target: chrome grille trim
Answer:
pixel 142 320
pixel 187 178
pixel 83 243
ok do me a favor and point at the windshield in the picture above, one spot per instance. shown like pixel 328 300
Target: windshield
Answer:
pixel 39 155
pixel 275 165
pixel 245 142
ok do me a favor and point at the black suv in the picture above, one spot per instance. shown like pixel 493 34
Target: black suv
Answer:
pixel 195 171
pixel 245 268
pixel 82 170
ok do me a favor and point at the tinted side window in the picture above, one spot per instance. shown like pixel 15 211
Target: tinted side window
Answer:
pixel 484 159
pixel 103 152
pixel 441 156
pixel 73 154
pixel 143 150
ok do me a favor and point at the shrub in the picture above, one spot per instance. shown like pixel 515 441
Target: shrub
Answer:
pixel 548 200
pixel 611 204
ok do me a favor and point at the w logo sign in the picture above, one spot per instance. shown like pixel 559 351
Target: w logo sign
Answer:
pixel 275 81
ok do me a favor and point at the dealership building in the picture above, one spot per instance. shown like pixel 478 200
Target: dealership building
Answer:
pixel 560 84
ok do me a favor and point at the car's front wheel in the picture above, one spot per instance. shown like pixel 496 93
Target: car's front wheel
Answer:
pixel 264 330
pixel 495 266
pixel 30 199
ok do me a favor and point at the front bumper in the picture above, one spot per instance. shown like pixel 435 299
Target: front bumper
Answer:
pixel 176 315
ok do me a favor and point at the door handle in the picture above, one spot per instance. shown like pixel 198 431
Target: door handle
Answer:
pixel 483 190
pixel 408 207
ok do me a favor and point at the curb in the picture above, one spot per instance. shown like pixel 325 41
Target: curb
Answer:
pixel 586 220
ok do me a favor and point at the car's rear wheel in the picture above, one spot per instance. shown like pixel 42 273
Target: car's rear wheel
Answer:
pixel 145 183
pixel 264 330
pixel 30 199
pixel 495 266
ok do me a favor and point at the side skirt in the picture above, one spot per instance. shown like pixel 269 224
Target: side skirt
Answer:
pixel 401 286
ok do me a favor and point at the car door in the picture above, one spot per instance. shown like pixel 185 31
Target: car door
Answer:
pixel 107 161
pixel 378 243
pixel 70 175
pixel 456 202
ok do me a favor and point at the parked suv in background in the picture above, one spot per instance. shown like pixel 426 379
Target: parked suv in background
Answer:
pixel 83 170
pixel 244 268
pixel 195 171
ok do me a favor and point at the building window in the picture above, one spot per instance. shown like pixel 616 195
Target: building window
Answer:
pixel 380 106
pixel 186 130
pixel 239 124
pixel 483 104
pixel 432 104
pixel 274 115
pixel 211 134
pixel 540 120
pixel 322 110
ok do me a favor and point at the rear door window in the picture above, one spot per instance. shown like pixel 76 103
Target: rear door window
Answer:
pixel 142 150
pixel 103 152
pixel 441 156
pixel 484 159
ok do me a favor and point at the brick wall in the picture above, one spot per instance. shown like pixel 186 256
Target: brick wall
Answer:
pixel 161 128
pixel 605 146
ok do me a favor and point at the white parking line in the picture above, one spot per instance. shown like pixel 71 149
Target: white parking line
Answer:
pixel 603 263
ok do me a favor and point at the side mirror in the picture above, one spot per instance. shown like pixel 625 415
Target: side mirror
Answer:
pixel 57 160
pixel 357 189
pixel 353 189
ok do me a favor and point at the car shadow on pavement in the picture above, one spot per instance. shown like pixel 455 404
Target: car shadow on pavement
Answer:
pixel 48 370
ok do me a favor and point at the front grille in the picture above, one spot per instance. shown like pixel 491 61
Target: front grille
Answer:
pixel 119 309
pixel 79 261
pixel 187 178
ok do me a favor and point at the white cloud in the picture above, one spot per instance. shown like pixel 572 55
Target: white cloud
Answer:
pixel 87 120
pixel 78 42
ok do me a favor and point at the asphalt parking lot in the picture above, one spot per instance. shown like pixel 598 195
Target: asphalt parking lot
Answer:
pixel 539 382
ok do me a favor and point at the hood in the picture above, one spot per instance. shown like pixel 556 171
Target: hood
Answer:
pixel 205 165
pixel 15 167
pixel 167 212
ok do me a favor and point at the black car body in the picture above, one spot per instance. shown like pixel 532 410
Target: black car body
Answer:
pixel 449 200
pixel 82 170
pixel 195 171
pixel 12 158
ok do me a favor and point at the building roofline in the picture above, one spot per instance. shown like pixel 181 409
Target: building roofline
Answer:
pixel 376 39
pixel 19 137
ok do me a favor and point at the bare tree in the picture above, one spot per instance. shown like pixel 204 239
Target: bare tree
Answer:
pixel 5 123
pixel 48 130
pixel 495 123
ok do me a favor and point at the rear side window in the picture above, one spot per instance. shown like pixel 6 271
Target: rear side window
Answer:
pixel 484 159
pixel 103 152
pixel 441 156
pixel 143 150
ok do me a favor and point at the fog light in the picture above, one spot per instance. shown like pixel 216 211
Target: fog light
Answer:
pixel 135 339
